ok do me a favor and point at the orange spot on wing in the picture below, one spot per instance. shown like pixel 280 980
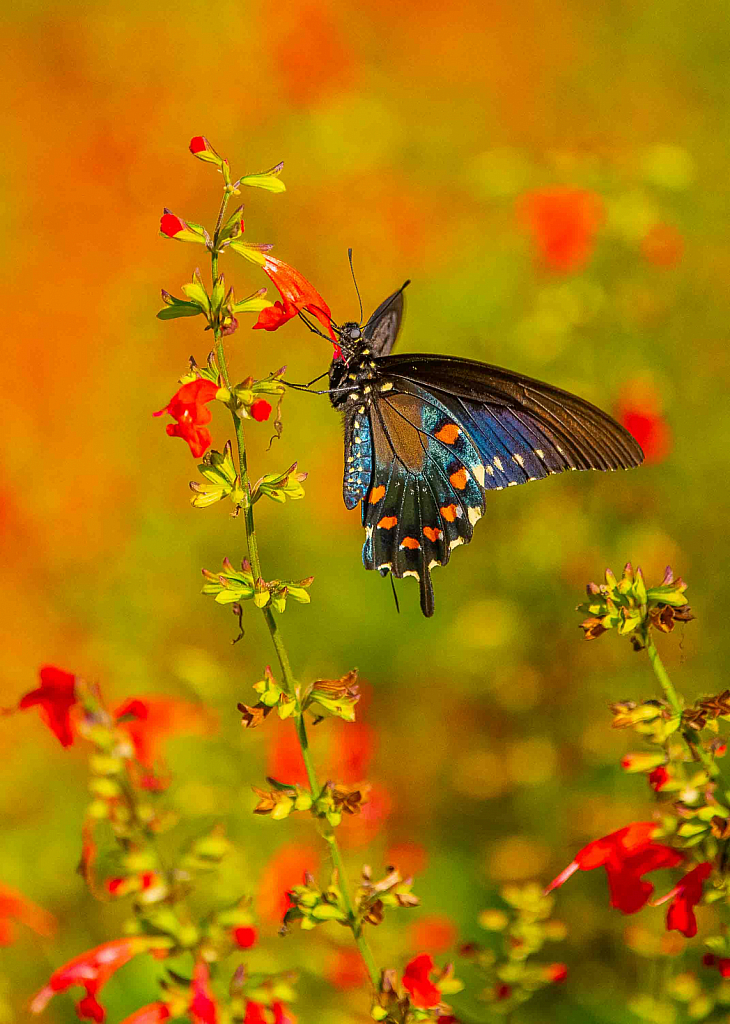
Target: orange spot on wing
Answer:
pixel 459 479
pixel 376 494
pixel 410 542
pixel 448 433
pixel 432 534
pixel 449 512
pixel 387 522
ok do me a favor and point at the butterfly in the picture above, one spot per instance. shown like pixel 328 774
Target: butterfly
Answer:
pixel 428 436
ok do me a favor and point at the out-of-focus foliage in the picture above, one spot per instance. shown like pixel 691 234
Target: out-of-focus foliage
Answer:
pixel 430 138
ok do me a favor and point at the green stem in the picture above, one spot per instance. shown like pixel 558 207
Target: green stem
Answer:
pixel 289 680
pixel 697 750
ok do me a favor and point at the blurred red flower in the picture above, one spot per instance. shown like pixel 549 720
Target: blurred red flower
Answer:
pixel 254 1013
pixel 563 223
pixel 435 931
pixel 149 721
pixel 245 936
pixel 626 855
pixel 285 870
pixel 298 296
pixel 150 1014
pixel 409 858
pixel 423 992
pixel 721 962
pixel 203 1009
pixel 261 410
pixel 556 973
pixel 638 410
pixel 14 906
pixel 188 407
pixel 659 778
pixel 91 970
pixel 56 696
pixel 344 968
pixel 663 246
pixel 685 896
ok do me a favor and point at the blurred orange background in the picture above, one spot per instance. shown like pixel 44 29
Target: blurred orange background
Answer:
pixel 427 137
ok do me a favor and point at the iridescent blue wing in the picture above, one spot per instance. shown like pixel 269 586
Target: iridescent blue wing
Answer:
pixel 441 432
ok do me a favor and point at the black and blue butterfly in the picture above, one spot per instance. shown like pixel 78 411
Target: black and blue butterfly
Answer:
pixel 427 436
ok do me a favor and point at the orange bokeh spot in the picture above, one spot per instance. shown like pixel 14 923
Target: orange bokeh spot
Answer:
pixel 285 870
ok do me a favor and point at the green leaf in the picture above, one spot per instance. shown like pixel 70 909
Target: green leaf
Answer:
pixel 178 310
pixel 267 180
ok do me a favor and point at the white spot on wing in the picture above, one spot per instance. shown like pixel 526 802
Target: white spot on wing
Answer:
pixel 478 472
pixel 475 514
pixel 412 572
pixel 518 459
pixel 456 543
pixel 489 470
pixel 497 463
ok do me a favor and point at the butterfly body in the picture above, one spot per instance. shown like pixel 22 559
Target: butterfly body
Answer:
pixel 427 436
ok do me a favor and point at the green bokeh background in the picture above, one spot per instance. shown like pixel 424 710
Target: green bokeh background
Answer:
pixel 410 132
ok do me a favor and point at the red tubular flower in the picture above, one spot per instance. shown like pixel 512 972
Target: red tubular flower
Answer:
pixel 685 896
pixel 149 721
pixel 422 990
pixel 254 1013
pixel 626 855
pixel 150 1014
pixel 245 936
pixel 282 1014
pixel 297 294
pixel 563 223
pixel 556 973
pixel 722 963
pixel 203 1008
pixel 91 970
pixel 56 696
pixel 171 225
pixel 659 778
pixel 187 406
pixel 13 905
pixel 260 410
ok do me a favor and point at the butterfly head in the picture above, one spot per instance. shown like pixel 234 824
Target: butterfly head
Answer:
pixel 350 337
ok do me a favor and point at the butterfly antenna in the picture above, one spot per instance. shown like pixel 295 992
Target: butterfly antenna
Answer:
pixel 352 271
pixel 395 596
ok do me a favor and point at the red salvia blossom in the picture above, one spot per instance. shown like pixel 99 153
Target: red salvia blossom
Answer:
pixel 423 992
pixel 188 407
pixel 659 778
pixel 626 855
pixel 261 410
pixel 149 721
pixel 556 973
pixel 638 411
pixel 150 1014
pixel 563 223
pixel 685 896
pixel 171 225
pixel 255 1013
pixel 297 295
pixel 245 936
pixel 285 870
pixel 198 144
pixel 203 1009
pixel 721 962
pixel 56 696
pixel 91 970
pixel 14 906
pixel 282 1014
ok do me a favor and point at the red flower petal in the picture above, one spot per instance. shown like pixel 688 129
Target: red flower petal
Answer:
pixel 271 318
pixel 298 295
pixel 91 970
pixel 197 144
pixel 685 896
pixel 422 990
pixel 56 696
pixel 261 410
pixel 203 1009
pixel 151 1014
pixel 245 936
pixel 170 225
pixel 659 778
pixel 254 1013
pixel 188 407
